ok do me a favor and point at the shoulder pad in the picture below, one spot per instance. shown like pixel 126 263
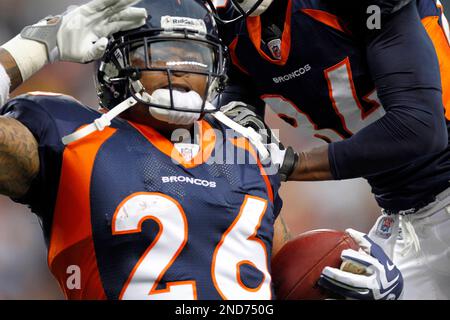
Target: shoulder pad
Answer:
pixel 42 110
pixel 57 104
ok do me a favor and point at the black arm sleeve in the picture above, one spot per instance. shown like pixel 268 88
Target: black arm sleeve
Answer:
pixel 405 69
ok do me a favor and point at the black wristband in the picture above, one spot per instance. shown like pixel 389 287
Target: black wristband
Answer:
pixel 289 164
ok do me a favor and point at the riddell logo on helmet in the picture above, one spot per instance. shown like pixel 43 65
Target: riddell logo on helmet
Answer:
pixel 183 179
pixel 171 23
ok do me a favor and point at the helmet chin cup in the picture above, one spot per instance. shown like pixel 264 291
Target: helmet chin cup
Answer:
pixel 176 100
pixel 174 117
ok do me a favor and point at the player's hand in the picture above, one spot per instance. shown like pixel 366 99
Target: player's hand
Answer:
pixel 243 114
pixel 80 35
pixel 367 274
pixel 285 159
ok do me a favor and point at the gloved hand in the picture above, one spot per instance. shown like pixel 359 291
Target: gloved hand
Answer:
pixel 370 274
pixel 78 35
pixel 82 35
pixel 284 158
pixel 241 113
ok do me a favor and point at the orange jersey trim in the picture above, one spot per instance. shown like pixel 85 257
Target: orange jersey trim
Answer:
pixel 234 57
pixel 244 143
pixel 442 47
pixel 71 236
pixel 248 262
pixel 326 18
pixel 254 30
pixel 208 142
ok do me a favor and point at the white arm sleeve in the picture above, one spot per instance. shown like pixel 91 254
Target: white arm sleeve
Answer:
pixel 5 84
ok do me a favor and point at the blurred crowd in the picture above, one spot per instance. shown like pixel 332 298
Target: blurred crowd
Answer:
pixel 23 264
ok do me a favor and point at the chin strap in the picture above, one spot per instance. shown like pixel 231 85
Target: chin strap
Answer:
pixel 104 121
pixel 101 123
pixel 249 133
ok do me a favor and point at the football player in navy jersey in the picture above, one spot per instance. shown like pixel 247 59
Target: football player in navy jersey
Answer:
pixel 142 216
pixel 371 80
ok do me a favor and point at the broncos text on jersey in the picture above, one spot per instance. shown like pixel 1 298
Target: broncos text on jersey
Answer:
pixel 319 82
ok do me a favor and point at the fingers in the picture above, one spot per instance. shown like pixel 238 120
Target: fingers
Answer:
pixel 130 14
pixel 356 235
pixel 119 7
pixel 97 50
pixel 128 19
pixel 101 5
pixel 359 258
pixel 344 291
pixel 360 239
pixel 347 279
pixel 349 266
pixel 117 26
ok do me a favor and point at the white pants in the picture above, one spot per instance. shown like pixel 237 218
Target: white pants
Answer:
pixel 419 244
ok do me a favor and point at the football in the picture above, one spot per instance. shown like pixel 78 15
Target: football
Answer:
pixel 296 268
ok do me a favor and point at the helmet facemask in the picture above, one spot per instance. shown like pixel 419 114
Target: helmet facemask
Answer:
pixel 164 55
pixel 185 26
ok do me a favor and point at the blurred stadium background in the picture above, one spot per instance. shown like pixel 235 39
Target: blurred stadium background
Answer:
pixel 23 265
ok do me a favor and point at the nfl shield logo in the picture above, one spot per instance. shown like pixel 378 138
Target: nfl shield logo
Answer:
pixel 275 48
pixel 187 154
pixel 187 151
pixel 384 228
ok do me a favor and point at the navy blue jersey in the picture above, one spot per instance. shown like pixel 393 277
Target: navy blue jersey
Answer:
pixel 381 112
pixel 141 219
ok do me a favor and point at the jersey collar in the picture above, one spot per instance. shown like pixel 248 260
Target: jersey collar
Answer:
pixel 254 31
pixel 164 145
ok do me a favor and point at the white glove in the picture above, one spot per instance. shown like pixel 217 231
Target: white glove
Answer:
pixel 187 100
pixel 370 274
pixel 78 35
pixel 83 33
